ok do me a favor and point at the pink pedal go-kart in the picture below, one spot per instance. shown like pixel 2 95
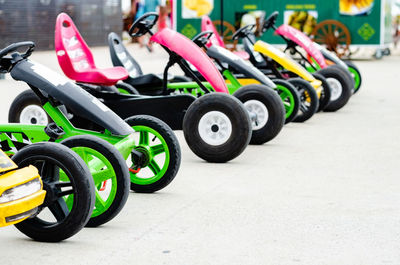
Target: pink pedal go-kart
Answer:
pixel 315 57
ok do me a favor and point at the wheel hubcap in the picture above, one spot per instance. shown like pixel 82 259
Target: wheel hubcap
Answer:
pixel 336 88
pixel 215 128
pixel 261 112
pixel 33 114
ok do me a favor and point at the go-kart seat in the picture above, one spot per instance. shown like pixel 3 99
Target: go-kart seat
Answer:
pixel 76 59
pixel 215 39
pixel 120 56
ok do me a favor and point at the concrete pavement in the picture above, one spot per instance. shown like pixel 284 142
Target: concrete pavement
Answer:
pixel 322 192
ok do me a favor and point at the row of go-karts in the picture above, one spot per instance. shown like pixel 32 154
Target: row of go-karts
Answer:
pixel 81 146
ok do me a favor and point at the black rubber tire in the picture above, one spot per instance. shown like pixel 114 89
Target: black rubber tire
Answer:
pixel 352 65
pixel 343 77
pixel 174 149
pixel 306 91
pixel 326 92
pixel 181 78
pixel 128 88
pixel 121 172
pixel 24 99
pixel 238 117
pixel 81 181
pixel 295 95
pixel 275 111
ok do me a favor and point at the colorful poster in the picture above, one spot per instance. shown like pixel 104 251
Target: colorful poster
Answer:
pixel 196 8
pixel 355 7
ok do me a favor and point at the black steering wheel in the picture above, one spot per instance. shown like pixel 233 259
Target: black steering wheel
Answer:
pixel 243 32
pixel 15 46
pixel 202 38
pixel 270 21
pixel 143 24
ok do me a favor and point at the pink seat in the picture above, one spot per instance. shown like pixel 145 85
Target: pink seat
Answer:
pixel 76 59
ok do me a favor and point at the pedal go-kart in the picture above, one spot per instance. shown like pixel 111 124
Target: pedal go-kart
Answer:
pixel 48 211
pixel 228 63
pixel 259 100
pixel 216 126
pixel 148 144
pixel 319 59
pixel 238 72
pixel 313 90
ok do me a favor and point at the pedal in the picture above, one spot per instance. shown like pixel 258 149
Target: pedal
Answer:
pixel 54 131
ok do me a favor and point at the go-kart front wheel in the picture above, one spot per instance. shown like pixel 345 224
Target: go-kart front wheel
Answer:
pixel 341 86
pixel 356 74
pixel 217 127
pixel 267 107
pixel 27 109
pixel 69 187
pixel 325 93
pixel 109 172
pixel 308 98
pixel 290 98
pixel 161 154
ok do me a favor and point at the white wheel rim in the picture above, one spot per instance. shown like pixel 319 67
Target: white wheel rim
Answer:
pixel 215 128
pixel 33 114
pixel 258 108
pixel 336 88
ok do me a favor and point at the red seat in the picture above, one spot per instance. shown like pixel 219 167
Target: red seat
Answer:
pixel 76 59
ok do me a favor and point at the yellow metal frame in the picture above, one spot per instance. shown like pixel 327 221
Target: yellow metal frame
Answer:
pixel 13 179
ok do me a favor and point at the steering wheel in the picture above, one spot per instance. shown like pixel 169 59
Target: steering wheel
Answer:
pixel 243 32
pixel 270 21
pixel 202 38
pixel 143 24
pixel 15 46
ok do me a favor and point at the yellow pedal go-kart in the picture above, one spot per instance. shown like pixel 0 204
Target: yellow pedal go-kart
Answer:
pixel 21 191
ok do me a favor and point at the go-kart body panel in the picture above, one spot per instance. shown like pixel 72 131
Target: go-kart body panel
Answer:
pixel 303 41
pixel 238 64
pixel 169 108
pixel 19 209
pixel 71 95
pixel 207 25
pixel 189 51
pixel 284 60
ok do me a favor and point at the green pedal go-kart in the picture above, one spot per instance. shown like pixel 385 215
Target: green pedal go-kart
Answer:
pixel 50 197
pixel 149 146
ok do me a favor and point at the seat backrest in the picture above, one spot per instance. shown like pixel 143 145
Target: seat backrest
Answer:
pixel 121 57
pixel 73 54
pixel 207 25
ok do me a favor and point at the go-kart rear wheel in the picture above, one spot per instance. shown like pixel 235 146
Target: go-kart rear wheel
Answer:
pixel 109 172
pixel 69 189
pixel 326 92
pixel 217 127
pixel 290 98
pixel 356 74
pixel 308 98
pixel 341 86
pixel 27 109
pixel 267 107
pixel 162 154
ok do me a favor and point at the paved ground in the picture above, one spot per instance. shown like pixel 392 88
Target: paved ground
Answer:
pixel 323 192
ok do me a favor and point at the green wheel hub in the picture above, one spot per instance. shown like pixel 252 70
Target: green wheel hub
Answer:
pixel 153 145
pixel 356 77
pixel 105 194
pixel 287 99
